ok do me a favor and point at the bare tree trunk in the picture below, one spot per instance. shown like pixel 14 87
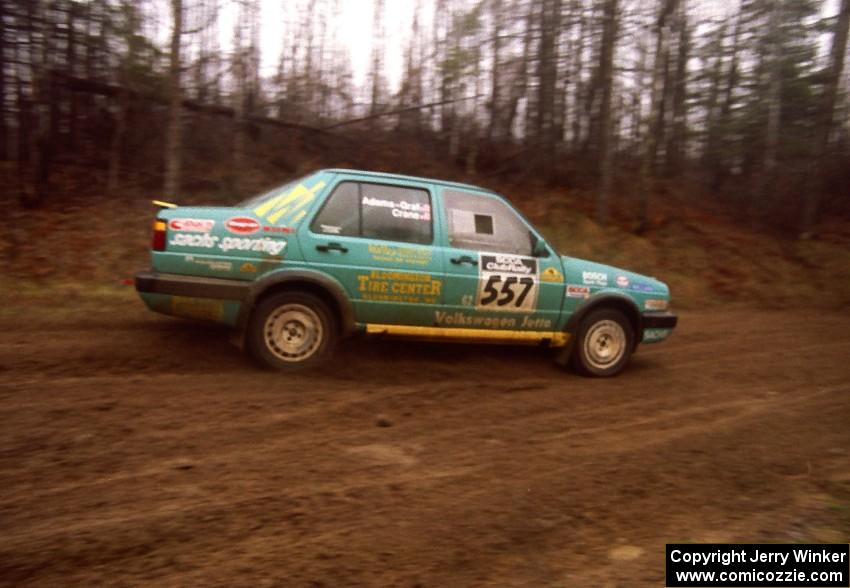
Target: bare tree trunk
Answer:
pixel 117 144
pixel 496 45
pixel 520 87
pixel 38 145
pixel 174 130
pixel 826 116
pixel 377 58
pixel 579 123
pixel 674 151
pixel 4 135
pixel 719 169
pixel 547 73
pixel 606 80
pixel 654 126
pixel 774 105
pixel 712 109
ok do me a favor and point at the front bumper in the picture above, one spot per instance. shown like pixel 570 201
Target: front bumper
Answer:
pixel 659 320
pixel 149 282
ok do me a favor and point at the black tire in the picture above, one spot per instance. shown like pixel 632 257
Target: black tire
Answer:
pixel 604 343
pixel 292 331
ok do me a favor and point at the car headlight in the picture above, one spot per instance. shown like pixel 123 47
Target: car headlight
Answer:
pixel 656 304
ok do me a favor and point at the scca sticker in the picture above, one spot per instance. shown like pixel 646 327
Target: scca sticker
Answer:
pixel 575 291
pixel 507 283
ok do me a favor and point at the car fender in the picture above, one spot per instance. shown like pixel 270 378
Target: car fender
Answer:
pixel 603 298
pixel 314 279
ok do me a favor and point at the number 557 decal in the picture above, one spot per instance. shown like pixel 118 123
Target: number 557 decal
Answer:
pixel 507 283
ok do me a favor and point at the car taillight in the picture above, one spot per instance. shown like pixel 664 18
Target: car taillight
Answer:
pixel 158 241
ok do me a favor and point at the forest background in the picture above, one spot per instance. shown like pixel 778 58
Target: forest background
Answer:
pixel 704 142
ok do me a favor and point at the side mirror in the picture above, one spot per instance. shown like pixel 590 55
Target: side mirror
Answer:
pixel 538 247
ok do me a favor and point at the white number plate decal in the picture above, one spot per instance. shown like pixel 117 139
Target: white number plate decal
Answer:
pixel 507 283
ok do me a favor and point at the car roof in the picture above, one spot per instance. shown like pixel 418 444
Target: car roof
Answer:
pixel 389 176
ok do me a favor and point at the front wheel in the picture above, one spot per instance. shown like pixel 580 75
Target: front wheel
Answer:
pixel 604 344
pixel 291 331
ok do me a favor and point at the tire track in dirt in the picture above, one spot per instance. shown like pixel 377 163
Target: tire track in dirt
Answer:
pixel 154 453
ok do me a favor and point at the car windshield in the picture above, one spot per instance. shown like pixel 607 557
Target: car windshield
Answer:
pixel 276 191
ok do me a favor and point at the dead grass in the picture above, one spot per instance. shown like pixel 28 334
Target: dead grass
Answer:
pixel 83 247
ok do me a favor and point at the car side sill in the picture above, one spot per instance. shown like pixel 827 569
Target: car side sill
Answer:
pixel 554 339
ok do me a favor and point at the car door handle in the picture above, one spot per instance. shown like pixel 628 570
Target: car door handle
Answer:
pixel 332 247
pixel 464 259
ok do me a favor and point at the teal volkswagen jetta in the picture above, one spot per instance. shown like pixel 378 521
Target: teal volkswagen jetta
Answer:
pixel 340 252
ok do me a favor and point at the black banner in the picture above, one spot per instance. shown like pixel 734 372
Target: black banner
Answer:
pixel 760 565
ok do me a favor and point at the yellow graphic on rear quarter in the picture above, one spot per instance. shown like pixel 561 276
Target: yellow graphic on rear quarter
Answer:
pixel 289 208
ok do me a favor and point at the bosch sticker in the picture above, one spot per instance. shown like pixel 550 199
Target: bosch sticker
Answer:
pixel 595 278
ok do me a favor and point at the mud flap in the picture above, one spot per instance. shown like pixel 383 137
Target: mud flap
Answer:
pixel 237 338
pixel 562 355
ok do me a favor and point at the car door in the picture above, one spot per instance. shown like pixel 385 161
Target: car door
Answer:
pixel 492 279
pixel 376 239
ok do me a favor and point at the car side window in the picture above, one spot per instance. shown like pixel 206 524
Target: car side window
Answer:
pixel 485 224
pixel 377 211
pixel 341 213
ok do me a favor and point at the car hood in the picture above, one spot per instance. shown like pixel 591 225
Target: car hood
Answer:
pixel 600 276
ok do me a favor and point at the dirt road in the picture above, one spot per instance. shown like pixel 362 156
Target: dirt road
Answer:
pixel 137 449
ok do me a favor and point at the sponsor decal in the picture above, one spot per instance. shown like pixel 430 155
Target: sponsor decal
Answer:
pixel 205 241
pixel 242 225
pixel 575 291
pixel 594 278
pixel 264 245
pixel 550 274
pixel 400 255
pixel 197 308
pixel 462 319
pixel 330 229
pixel 641 287
pixel 652 335
pixel 214 264
pixel 184 240
pixel 278 229
pixel 248 268
pixel 401 209
pixel 655 304
pixel 191 225
pixel 398 286
pixel 622 281
pixel 507 283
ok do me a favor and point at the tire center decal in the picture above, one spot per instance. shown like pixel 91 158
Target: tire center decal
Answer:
pixel 507 283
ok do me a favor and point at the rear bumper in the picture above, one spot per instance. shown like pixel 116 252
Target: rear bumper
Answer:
pixel 659 320
pixel 149 282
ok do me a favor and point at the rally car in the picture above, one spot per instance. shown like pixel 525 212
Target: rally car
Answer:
pixel 340 252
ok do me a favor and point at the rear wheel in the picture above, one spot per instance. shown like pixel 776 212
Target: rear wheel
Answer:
pixel 291 331
pixel 604 343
